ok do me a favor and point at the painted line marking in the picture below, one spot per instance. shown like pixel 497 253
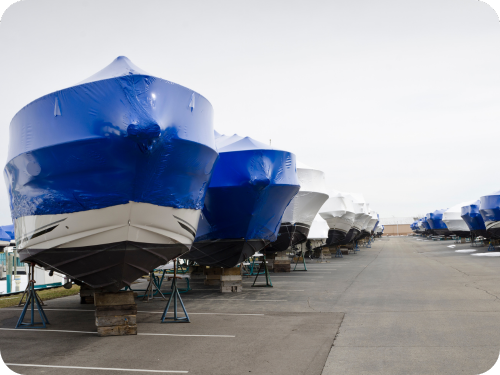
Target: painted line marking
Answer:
pixel 97 368
pixel 452 246
pixel 95 333
pixel 241 299
pixel 147 312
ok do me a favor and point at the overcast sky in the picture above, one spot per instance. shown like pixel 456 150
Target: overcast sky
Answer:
pixel 398 100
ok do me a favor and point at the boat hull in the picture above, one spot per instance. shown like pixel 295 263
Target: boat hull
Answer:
pixel 350 236
pixel 107 248
pixel 225 253
pixel 289 235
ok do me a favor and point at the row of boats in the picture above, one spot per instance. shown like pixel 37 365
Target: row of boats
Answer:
pixel 121 173
pixel 472 219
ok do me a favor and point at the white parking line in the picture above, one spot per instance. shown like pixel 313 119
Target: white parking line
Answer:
pixel 241 299
pixel 147 312
pixel 97 368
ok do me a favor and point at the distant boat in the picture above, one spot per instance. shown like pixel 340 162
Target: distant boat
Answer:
pixel 372 223
pixel 453 220
pixel 426 227
pixel 360 217
pixel 107 178
pixel 301 211
pixel 490 211
pixel 436 223
pixel 338 211
pixel 251 187
pixel 318 233
pixel 474 220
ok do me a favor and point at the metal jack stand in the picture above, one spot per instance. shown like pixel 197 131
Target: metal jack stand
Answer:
pixel 369 243
pixel 175 295
pixel 491 247
pixel 303 260
pixel 356 247
pixel 266 272
pixel 338 253
pixel 153 284
pixel 32 298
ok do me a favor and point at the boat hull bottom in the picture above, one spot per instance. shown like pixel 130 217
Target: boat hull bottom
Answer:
pixel 289 235
pixel 224 253
pixel 107 267
pixel 462 233
pixel 335 236
pixel 350 237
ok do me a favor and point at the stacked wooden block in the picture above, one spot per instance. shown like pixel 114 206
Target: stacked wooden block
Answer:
pixel 115 314
pixel 212 275
pixel 281 262
pixel 231 280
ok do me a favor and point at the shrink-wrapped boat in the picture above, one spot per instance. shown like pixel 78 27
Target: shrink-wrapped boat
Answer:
pixel 453 220
pixel 300 213
pixel 251 186
pixel 474 220
pixel 338 211
pixel 107 178
pixel 436 223
pixel 490 211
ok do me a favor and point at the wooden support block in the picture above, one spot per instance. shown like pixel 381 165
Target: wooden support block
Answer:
pixel 231 271
pixel 116 310
pixel 213 271
pixel 113 299
pixel 212 282
pixel 230 278
pixel 281 267
pixel 213 277
pixel 110 321
pixel 117 330
pixel 279 261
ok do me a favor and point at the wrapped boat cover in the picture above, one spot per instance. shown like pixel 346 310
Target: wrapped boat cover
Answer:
pixel 251 186
pixel 360 210
pixel 116 137
pixel 372 223
pixel 312 195
pixel 490 210
pixel 453 220
pixel 338 211
pixel 319 229
pixel 435 221
pixel 9 230
pixel 472 217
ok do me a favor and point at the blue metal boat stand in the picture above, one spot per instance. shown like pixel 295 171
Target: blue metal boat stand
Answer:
pixel 32 298
pixel 263 264
pixel 175 296
pixel 356 247
pixel 153 288
pixel 369 243
pixel 491 247
pixel 302 254
pixel 338 253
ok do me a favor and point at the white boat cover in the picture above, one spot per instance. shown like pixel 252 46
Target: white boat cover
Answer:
pixel 360 211
pixel 379 228
pixel 364 224
pixel 452 217
pixel 373 220
pixel 319 229
pixel 311 196
pixel 338 211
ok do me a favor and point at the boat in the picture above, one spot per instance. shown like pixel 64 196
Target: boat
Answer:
pixel 427 230
pixel 436 223
pixel 379 230
pixel 490 211
pixel 6 235
pixel 107 178
pixel 474 220
pixel 373 222
pixel 318 233
pixel 338 211
pixel 453 220
pixel 360 217
pixel 251 187
pixel 300 213
pixel 364 226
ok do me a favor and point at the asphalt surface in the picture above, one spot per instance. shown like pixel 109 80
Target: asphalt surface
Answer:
pixel 404 306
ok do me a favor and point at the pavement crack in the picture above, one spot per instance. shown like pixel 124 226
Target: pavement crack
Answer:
pixel 309 304
pixel 484 290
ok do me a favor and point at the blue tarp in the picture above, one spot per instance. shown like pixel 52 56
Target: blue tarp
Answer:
pixel 472 216
pixel 435 220
pixel 490 207
pixel 121 135
pixel 251 186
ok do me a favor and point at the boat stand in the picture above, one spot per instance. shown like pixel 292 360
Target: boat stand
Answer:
pixel 369 243
pixel 266 272
pixel 302 254
pixel 32 298
pixel 153 288
pixel 356 247
pixel 175 296
pixel 491 247
pixel 338 253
